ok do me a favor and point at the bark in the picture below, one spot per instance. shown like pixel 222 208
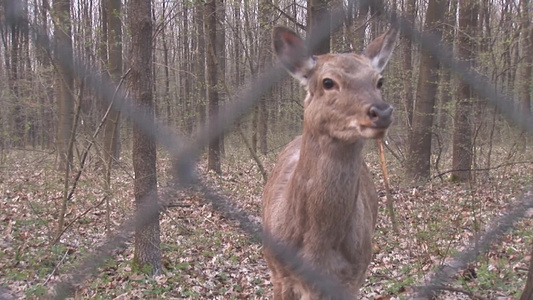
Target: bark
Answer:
pixel 265 60
pixel 237 46
pixel 147 254
pixel 527 294
pixel 462 132
pixel 200 62
pixel 527 65
pixel 418 163
pixel 407 64
pixel 64 79
pixel 361 25
pixel 46 97
pixel 188 114
pixel 15 22
pixel 166 93
pixel 210 19
pixel 221 61
pixel 114 45
pixel 446 82
pixel 319 20
pixel 338 43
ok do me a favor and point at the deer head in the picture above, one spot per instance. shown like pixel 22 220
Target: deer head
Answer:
pixel 343 90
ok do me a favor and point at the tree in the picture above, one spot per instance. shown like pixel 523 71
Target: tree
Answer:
pixel 210 19
pixel 265 60
pixel 147 252
pixel 64 80
pixel 407 64
pixel 418 164
pixel 319 19
pixel 200 62
pixel 15 22
pixel 527 294
pixel 527 54
pixel 462 133
pixel 114 46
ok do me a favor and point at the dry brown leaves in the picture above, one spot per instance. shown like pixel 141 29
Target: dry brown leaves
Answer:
pixel 207 256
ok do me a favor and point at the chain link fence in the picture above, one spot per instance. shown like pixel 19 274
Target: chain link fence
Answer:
pixel 242 103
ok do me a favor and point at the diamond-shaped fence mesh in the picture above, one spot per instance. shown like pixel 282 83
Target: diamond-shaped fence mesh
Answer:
pixel 242 103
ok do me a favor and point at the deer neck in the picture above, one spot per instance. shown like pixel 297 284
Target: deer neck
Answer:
pixel 326 182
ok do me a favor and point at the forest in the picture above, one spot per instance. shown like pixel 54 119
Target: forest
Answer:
pixel 136 138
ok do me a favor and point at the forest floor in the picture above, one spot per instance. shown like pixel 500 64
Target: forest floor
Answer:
pixel 208 256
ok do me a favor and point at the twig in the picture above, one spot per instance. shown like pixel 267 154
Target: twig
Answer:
pixel 457 290
pixel 497 227
pixel 78 217
pixel 253 154
pixel 390 201
pixel 241 133
pixel 298 24
pixel 394 153
pixel 91 143
pixel 483 169
pixel 68 165
pixel 55 268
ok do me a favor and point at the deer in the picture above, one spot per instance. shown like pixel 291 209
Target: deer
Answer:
pixel 320 198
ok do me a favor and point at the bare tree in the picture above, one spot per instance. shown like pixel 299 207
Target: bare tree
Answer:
pixel 527 294
pixel 409 10
pixel 265 59
pixel 462 132
pixel 418 164
pixel 64 80
pixel 527 54
pixel 210 19
pixel 318 14
pixel 200 60
pixel 114 46
pixel 147 254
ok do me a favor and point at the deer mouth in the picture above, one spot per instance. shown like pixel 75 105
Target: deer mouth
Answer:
pixel 356 130
pixel 372 132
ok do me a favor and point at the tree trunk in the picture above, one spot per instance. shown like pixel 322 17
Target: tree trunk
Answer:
pixel 166 93
pixel 418 164
pixel 338 43
pixel 147 254
pixel 527 294
pixel 221 62
pixel 15 22
pixel 319 19
pixel 265 60
pixel 407 64
pixel 462 132
pixel 47 96
pixel 114 44
pixel 360 25
pixel 64 80
pixel 527 53
pixel 210 19
pixel 200 63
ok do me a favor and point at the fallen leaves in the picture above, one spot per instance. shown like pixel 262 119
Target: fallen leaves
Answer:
pixel 207 256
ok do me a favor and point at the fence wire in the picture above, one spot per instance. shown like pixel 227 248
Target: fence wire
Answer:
pixel 242 103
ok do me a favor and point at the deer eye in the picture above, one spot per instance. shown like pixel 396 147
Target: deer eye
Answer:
pixel 380 83
pixel 328 83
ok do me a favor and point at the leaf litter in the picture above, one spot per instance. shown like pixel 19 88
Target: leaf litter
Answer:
pixel 207 256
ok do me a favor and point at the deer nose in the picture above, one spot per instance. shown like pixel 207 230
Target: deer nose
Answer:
pixel 381 115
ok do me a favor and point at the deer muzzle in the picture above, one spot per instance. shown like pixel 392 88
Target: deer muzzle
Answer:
pixel 381 115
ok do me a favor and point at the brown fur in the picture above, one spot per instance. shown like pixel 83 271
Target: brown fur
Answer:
pixel 320 198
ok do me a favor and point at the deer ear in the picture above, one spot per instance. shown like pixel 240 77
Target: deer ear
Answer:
pixel 380 50
pixel 292 53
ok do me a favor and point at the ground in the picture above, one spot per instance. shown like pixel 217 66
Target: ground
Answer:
pixel 209 256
